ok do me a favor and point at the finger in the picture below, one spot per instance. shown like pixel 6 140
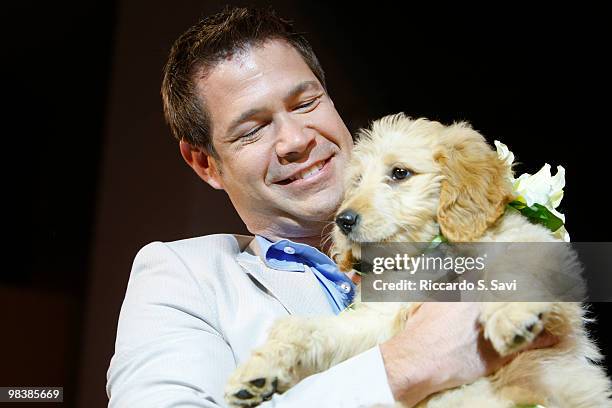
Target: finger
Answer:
pixel 543 340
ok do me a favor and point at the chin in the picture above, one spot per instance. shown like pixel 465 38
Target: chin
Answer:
pixel 314 213
pixel 320 207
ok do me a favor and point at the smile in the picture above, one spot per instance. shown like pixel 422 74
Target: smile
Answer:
pixel 309 173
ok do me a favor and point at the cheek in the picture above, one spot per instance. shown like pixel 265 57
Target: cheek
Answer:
pixel 376 205
pixel 386 200
pixel 250 167
pixel 328 122
pixel 419 199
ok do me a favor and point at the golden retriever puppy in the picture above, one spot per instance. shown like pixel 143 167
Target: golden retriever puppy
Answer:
pixel 408 181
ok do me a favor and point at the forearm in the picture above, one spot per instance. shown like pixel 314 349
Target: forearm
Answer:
pixel 439 348
pixel 357 382
pixel 410 376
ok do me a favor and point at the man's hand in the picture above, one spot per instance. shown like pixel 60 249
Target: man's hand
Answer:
pixel 442 347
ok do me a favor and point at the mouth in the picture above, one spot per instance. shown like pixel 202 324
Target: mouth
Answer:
pixel 358 237
pixel 309 174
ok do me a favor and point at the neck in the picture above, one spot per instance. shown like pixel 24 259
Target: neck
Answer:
pixel 313 241
pixel 316 240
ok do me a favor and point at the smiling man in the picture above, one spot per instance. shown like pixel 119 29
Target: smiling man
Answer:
pixel 279 143
pixel 246 98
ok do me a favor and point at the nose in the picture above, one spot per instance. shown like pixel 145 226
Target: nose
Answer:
pixel 294 141
pixel 346 220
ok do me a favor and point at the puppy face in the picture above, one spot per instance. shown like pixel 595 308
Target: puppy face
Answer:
pixel 410 179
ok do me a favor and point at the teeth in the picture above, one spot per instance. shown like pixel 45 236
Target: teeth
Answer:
pixel 312 170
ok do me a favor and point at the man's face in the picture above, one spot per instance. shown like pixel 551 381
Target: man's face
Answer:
pixel 281 144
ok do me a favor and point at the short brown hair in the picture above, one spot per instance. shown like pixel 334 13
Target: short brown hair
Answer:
pixel 209 41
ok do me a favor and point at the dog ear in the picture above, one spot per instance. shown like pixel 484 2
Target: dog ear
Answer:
pixel 476 186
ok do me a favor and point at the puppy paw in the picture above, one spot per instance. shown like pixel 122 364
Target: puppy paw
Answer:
pixel 515 325
pixel 260 377
pixel 250 393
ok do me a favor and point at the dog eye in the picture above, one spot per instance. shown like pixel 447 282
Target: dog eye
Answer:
pixel 399 174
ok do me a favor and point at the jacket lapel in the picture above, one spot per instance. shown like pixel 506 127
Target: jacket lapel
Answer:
pixel 298 292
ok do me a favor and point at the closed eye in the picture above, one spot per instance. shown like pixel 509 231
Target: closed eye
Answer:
pixel 251 134
pixel 308 104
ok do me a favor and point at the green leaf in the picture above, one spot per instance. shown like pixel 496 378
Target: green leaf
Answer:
pixel 519 205
pixel 438 239
pixel 538 214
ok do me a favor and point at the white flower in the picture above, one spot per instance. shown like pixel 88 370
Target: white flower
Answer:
pixel 562 234
pixel 542 187
pixel 504 153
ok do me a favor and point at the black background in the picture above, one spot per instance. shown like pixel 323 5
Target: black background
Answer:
pixel 536 79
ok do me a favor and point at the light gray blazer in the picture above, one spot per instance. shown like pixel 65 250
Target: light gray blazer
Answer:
pixel 195 308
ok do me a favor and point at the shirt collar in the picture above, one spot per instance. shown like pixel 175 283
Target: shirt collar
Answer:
pixel 291 256
pixel 286 255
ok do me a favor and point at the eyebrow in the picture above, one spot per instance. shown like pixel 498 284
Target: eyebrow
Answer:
pixel 295 91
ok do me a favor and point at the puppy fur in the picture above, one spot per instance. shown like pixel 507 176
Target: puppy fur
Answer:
pixel 459 187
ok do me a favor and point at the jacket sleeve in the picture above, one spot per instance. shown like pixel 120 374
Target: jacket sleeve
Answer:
pixel 168 352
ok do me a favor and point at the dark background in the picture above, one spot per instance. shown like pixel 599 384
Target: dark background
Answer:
pixel 91 173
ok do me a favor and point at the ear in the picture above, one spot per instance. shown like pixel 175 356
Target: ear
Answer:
pixel 205 166
pixel 476 186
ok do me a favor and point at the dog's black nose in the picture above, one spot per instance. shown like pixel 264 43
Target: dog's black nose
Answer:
pixel 346 220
